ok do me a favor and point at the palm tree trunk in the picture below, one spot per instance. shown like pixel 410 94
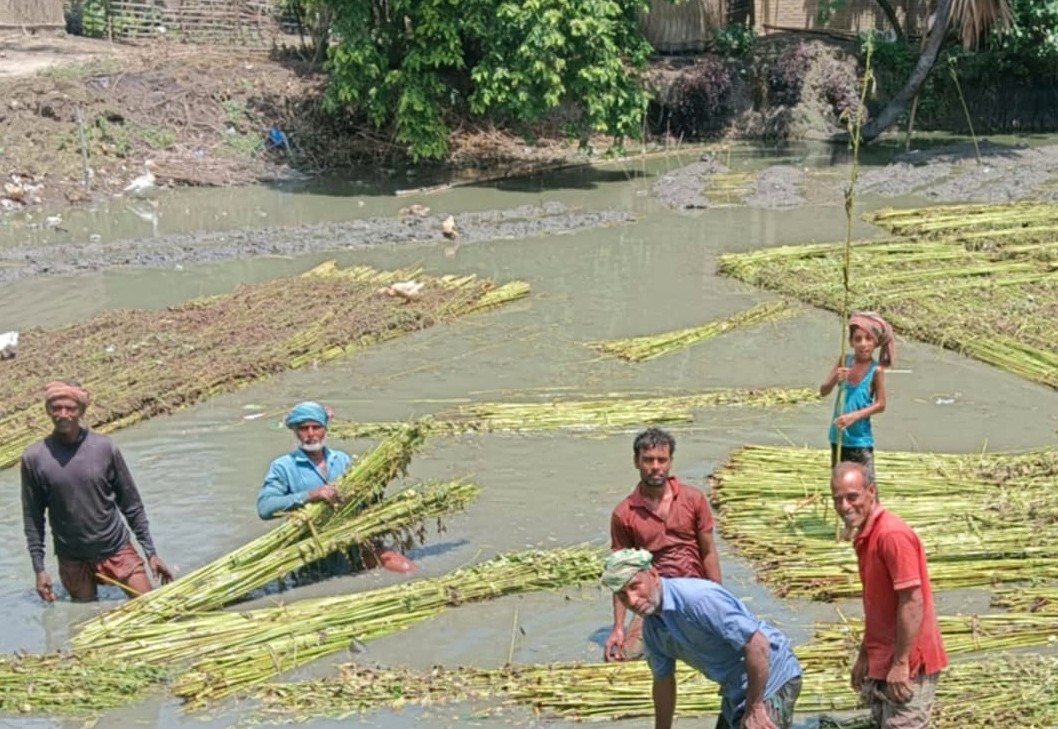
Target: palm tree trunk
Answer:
pixel 899 103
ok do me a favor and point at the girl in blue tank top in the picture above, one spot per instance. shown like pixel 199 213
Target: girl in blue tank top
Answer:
pixel 863 381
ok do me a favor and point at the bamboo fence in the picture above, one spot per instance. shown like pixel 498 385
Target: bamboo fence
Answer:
pixel 640 349
pixel 139 364
pixel 977 279
pixel 601 414
pixel 224 22
pixel 984 520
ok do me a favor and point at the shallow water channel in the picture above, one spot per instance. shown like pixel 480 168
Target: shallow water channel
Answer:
pixel 199 470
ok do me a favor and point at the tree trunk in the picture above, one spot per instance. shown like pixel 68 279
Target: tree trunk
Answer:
pixel 890 13
pixel 899 103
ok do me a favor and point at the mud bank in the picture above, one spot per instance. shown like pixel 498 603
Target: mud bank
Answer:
pixel 955 173
pixel 515 223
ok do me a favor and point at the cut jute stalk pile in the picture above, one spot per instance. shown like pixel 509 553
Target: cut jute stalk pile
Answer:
pixel 229 651
pixel 1003 691
pixel 71 685
pixel 640 349
pixel 978 279
pixel 983 520
pixel 603 413
pixel 308 534
pixel 1037 600
pixel 835 645
pixel 138 364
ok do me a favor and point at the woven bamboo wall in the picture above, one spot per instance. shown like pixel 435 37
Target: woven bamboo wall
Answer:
pixel 229 22
pixel 31 14
pixel 857 16
pixel 682 27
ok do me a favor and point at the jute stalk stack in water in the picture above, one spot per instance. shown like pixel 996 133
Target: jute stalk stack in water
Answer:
pixel 601 413
pixel 978 279
pixel 232 651
pixel 307 534
pixel 983 520
pixel 1003 691
pixel 640 349
pixel 138 364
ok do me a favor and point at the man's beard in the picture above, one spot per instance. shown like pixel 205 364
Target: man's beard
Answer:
pixel 312 447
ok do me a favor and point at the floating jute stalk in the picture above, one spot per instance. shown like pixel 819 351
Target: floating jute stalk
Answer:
pixel 977 279
pixel 602 413
pixel 139 364
pixel 983 519
pixel 640 349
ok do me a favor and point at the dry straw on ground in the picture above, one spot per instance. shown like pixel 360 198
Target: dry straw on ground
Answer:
pixel 978 279
pixel 138 364
pixel 599 414
pixel 984 520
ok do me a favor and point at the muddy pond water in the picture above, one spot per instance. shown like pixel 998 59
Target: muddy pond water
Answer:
pixel 199 470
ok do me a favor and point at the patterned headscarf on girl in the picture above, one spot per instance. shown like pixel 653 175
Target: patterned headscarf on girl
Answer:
pixel 872 321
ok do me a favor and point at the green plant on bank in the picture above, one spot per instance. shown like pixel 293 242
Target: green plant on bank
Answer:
pixel 113 136
pixel 1030 46
pixel 410 64
pixel 155 137
pixel 733 41
pixel 244 145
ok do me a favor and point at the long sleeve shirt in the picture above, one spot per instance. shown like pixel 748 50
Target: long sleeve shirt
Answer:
pixel 291 477
pixel 83 487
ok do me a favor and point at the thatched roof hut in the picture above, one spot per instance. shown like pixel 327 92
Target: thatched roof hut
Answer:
pixel 31 14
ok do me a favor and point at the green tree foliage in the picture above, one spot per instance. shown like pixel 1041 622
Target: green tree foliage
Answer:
pixel 1030 46
pixel 412 63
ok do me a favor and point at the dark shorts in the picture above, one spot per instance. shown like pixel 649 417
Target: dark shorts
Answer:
pixel 80 578
pixel 780 707
pixel 855 455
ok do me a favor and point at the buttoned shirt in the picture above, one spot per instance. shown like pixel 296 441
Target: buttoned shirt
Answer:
pixel 702 624
pixel 291 477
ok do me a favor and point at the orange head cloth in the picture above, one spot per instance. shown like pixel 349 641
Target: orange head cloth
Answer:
pixel 872 321
pixel 58 388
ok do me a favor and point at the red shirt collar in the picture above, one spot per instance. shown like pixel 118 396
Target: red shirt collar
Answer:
pixel 872 520
pixel 636 499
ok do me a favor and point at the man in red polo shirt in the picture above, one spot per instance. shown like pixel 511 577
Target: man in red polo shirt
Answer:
pixel 902 654
pixel 669 519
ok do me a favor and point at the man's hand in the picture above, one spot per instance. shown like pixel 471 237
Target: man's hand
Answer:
pixel 843 421
pixel 614 650
pixel 898 686
pixel 164 574
pixel 859 672
pixel 44 587
pixel 756 717
pixel 326 493
pixel 396 562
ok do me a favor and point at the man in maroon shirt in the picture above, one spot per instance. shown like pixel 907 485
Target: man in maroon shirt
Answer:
pixel 902 654
pixel 669 519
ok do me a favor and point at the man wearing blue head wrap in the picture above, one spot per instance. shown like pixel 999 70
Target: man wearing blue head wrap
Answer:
pixel 309 472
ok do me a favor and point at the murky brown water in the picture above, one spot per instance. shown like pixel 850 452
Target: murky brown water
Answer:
pixel 199 470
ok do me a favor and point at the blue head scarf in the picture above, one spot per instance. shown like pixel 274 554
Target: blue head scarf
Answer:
pixel 307 411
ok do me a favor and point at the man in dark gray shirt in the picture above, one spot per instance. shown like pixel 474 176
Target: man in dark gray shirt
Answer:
pixel 79 479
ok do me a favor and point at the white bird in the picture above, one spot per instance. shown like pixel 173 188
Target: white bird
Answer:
pixel 407 290
pixel 149 215
pixel 143 185
pixel 8 344
pixel 448 227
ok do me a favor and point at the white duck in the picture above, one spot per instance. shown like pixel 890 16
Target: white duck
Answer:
pixel 8 345
pixel 407 290
pixel 448 227
pixel 143 185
